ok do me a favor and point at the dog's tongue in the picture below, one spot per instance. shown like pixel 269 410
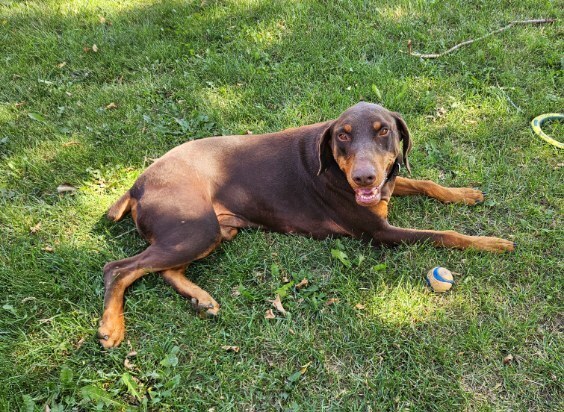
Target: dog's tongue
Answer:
pixel 365 191
pixel 367 195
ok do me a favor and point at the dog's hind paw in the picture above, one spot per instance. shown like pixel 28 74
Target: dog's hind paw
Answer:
pixel 111 331
pixel 207 306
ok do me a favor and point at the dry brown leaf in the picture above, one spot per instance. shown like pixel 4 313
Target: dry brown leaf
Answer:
pixel 86 49
pixel 131 354
pixel 48 249
pixel 269 314
pixel 47 408
pixel 61 65
pixel 71 143
pixel 360 306
pixel 111 106
pixel 235 291
pixel 79 344
pixel 508 359
pixel 228 348
pixel 303 369
pixel 249 132
pixel 277 303
pixel 331 301
pixel 34 229
pixel 19 104
pixel 66 188
pixel 95 48
pixel 128 364
pixel 304 282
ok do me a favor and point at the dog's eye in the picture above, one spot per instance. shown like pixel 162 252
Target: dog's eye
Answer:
pixel 383 131
pixel 343 137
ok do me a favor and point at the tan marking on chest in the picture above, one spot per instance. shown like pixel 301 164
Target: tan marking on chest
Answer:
pixel 381 209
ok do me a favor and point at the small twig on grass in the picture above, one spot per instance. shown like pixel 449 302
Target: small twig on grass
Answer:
pixel 467 42
pixel 508 98
pixel 125 233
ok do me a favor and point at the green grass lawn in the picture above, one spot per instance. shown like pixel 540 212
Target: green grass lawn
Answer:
pixel 181 70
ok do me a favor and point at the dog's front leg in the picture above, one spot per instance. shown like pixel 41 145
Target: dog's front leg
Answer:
pixel 410 187
pixel 395 235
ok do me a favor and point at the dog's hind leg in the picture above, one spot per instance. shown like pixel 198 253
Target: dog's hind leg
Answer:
pixel 176 243
pixel 201 300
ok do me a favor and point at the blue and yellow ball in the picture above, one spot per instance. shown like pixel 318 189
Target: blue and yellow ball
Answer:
pixel 439 279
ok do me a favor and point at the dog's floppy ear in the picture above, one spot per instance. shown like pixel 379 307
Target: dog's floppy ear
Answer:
pixel 324 151
pixel 405 139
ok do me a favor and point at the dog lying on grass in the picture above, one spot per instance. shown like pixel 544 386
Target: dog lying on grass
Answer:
pixel 329 178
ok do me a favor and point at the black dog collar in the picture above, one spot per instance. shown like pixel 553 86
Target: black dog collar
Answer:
pixel 394 171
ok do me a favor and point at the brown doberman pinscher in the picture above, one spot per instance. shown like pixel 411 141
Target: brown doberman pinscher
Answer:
pixel 330 178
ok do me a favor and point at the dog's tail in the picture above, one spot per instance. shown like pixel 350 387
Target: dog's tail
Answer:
pixel 120 208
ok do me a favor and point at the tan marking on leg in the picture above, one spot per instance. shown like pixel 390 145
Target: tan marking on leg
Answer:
pixel 452 239
pixel 201 300
pixel 449 238
pixel 407 187
pixel 490 244
pixel 112 325
pixel 228 233
pixel 210 249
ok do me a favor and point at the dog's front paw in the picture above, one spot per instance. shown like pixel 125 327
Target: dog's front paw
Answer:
pixel 494 244
pixel 467 196
pixel 111 331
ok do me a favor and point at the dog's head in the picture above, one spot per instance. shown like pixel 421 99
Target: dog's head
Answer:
pixel 365 142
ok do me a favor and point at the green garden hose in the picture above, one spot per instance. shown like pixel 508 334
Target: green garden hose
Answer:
pixel 536 125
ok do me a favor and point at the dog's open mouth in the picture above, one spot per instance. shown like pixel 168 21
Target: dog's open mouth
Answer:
pixel 367 195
